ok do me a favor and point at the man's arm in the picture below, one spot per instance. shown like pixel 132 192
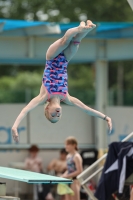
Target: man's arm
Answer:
pixel 33 103
pixel 51 165
pixel 76 102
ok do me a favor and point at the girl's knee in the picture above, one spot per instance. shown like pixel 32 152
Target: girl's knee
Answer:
pixel 65 41
pixel 76 190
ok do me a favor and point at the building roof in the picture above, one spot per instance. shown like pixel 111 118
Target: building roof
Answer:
pixel 109 39
pixel 104 29
pixel 22 27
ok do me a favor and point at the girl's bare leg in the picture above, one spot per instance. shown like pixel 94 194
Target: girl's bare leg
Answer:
pixel 131 194
pixel 61 44
pixel 76 188
pixel 67 197
pixel 71 50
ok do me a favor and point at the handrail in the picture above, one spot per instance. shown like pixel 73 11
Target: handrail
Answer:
pixel 92 166
pixel 92 175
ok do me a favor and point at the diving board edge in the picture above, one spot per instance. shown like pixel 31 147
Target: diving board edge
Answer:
pixel 47 181
pixel 31 177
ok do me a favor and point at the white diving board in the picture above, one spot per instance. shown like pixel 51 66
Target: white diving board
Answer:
pixel 30 177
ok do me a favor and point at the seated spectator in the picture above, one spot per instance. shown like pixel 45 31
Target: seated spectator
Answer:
pixel 34 163
pixel 58 165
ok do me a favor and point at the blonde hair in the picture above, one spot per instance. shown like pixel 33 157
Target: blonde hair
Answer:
pixel 73 141
pixel 46 112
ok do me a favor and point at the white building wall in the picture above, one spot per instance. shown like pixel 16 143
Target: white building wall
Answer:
pixel 73 122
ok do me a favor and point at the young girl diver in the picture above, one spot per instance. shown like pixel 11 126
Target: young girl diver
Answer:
pixel 54 88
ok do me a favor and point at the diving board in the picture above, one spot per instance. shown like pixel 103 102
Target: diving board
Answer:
pixel 30 177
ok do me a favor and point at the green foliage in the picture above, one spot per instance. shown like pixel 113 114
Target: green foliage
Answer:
pixel 7 82
pixel 13 88
pixel 12 96
pixel 16 79
pixel 28 80
pixel 21 81
pixel 81 82
pixel 129 79
pixel 80 77
pixel 67 10
pixel 128 74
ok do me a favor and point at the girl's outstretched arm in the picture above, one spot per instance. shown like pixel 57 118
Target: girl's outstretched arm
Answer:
pixel 33 103
pixel 76 102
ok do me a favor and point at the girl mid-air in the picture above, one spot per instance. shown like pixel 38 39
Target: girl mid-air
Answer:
pixel 54 88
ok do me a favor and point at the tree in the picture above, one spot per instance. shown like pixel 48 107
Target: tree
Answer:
pixel 67 10
pixel 81 84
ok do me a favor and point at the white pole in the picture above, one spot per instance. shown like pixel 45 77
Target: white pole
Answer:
pixel 101 67
pixel 31 47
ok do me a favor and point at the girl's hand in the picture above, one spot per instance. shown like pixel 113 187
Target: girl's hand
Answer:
pixel 109 121
pixel 64 176
pixel 15 134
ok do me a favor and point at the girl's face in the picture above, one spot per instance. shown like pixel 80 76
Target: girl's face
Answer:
pixel 54 112
pixel 33 154
pixel 69 147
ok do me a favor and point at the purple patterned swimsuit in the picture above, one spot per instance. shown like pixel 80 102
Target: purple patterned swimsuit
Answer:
pixel 71 167
pixel 55 76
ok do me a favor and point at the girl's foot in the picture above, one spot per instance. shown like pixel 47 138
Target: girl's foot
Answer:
pixel 86 27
